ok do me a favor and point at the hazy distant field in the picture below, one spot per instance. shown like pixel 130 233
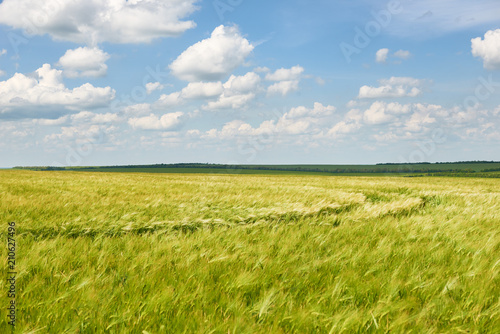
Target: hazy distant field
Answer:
pixel 183 253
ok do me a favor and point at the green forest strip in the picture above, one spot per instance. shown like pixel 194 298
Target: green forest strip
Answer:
pixel 455 169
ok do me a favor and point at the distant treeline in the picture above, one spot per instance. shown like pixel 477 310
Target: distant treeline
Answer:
pixel 437 163
pixel 467 167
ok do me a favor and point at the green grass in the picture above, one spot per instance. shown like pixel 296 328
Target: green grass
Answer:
pixel 199 253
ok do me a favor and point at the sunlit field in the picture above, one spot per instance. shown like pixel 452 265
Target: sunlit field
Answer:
pixel 194 253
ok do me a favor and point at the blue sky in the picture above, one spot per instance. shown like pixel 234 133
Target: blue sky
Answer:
pixel 246 82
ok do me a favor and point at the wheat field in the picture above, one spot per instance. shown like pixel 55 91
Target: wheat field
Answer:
pixel 179 253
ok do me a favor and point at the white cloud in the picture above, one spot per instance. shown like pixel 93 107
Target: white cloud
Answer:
pixel 242 84
pixel 169 100
pixel 52 122
pixel 381 55
pixel 152 86
pixel 402 54
pixel 343 128
pixel 84 62
pixel 200 90
pixel 402 81
pixel 92 22
pixel 351 123
pixel 393 87
pixel 213 58
pixel 286 74
pixel 297 121
pixel 283 87
pixel 385 136
pixel 421 116
pixel 2 73
pixel 488 49
pixel 287 80
pixel 381 112
pixel 238 92
pixel 300 120
pixel 88 117
pixel 354 115
pixel 229 130
pixel 3 52
pixel 318 110
pixel 153 122
pixel 46 89
pixel 496 112
pixel 233 101
pixel 87 136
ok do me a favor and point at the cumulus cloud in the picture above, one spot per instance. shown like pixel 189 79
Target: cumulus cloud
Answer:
pixel 169 100
pixel 152 122
pixel 421 117
pixel 242 84
pixel 86 135
pixel 381 55
pixel 230 101
pixel 351 123
pixel 283 87
pixel 213 58
pixel 193 91
pixel 343 128
pixel 235 93
pixel 91 22
pixel 152 86
pixel 319 110
pixel 84 62
pixel 488 49
pixel 200 90
pixel 45 88
pixel 297 121
pixel 393 87
pixel 52 122
pixel 238 128
pixel 287 80
pixel 381 112
pixel 286 74
pixel 238 91
pixel 88 117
